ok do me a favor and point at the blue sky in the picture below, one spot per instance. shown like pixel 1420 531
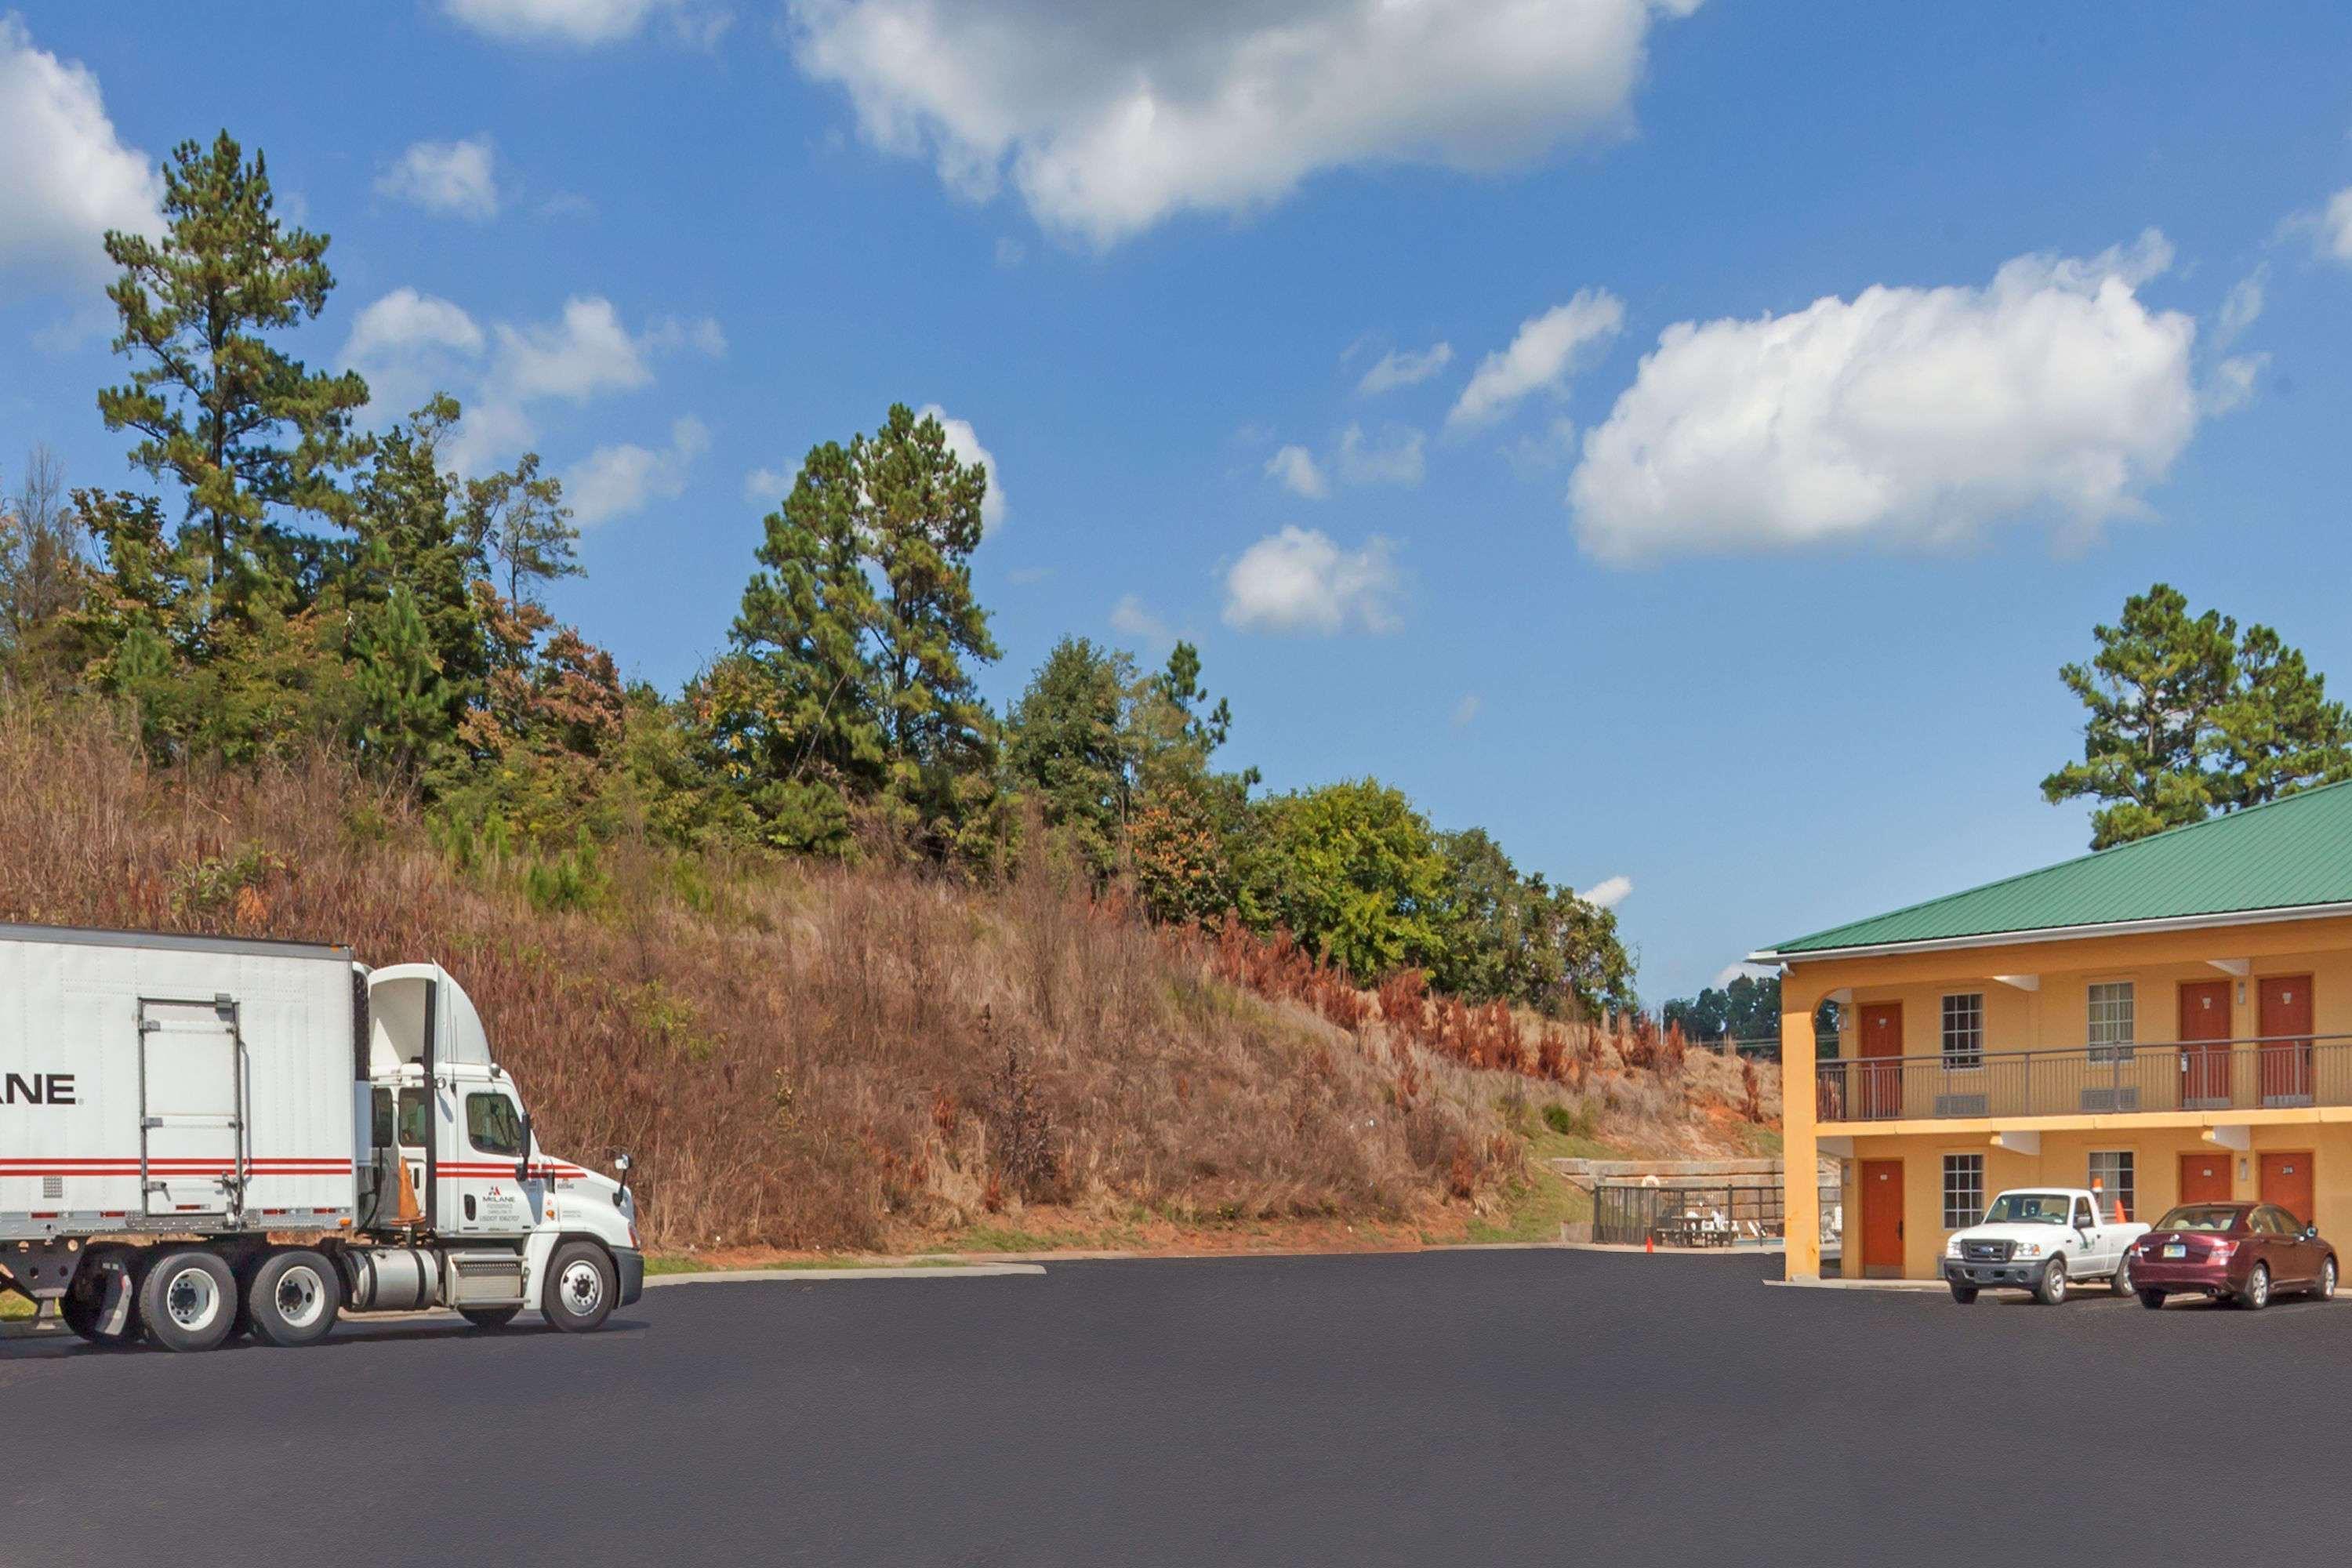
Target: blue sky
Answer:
pixel 1812 378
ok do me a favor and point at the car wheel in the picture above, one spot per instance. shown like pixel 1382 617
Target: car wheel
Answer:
pixel 2122 1282
pixel 188 1300
pixel 1965 1295
pixel 2325 1288
pixel 294 1298
pixel 2257 1294
pixel 580 1288
pixel 2053 1288
pixel 2152 1300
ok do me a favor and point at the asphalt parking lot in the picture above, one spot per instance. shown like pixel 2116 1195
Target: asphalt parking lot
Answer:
pixel 1442 1407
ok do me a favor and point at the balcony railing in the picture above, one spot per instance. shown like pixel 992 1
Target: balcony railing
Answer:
pixel 2206 1075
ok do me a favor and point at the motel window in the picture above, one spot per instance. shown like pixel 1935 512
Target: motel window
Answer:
pixel 1963 1190
pixel 1964 1030
pixel 2111 1022
pixel 2111 1175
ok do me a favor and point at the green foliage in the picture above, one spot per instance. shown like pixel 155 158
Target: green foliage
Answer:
pixel 2185 716
pixel 44 567
pixel 1361 881
pixel 519 521
pixel 1513 937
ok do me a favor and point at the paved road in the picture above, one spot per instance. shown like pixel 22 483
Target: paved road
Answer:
pixel 1469 1408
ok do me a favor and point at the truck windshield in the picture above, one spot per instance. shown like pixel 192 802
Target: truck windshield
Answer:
pixel 2029 1208
pixel 2199 1217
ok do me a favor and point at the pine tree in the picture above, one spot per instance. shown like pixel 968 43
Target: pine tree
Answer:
pixel 411 538
pixel 519 519
pixel 244 430
pixel 405 703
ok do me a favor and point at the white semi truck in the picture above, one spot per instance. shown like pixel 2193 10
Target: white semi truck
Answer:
pixel 208 1135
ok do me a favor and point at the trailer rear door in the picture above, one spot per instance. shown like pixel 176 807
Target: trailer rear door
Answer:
pixel 191 1127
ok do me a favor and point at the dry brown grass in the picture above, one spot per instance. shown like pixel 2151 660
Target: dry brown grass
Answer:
pixel 799 1056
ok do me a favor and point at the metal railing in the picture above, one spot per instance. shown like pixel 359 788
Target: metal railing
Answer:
pixel 1746 1211
pixel 2197 1075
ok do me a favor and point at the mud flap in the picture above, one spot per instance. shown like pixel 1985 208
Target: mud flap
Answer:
pixel 114 1307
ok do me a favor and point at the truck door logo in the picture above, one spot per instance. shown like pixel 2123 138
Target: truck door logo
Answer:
pixel 39 1089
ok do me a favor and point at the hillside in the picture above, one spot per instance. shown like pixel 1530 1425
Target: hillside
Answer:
pixel 808 1056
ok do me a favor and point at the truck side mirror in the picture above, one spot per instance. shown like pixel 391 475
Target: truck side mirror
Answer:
pixel 522 1166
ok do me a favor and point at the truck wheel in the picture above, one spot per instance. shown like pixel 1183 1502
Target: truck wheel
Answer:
pixel 188 1300
pixel 294 1298
pixel 2258 1289
pixel 2053 1288
pixel 2152 1300
pixel 580 1288
pixel 1966 1295
pixel 2122 1282
pixel 489 1317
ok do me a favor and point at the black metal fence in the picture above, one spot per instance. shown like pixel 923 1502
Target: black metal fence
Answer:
pixel 2210 1075
pixel 1690 1212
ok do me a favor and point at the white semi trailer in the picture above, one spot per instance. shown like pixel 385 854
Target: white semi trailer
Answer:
pixel 207 1135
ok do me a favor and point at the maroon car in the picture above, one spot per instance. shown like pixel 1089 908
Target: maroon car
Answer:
pixel 2244 1253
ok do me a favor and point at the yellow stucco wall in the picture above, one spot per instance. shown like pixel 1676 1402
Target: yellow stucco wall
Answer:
pixel 2053 1016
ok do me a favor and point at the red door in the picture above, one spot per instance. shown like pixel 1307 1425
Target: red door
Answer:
pixel 1882 1079
pixel 2204 1065
pixel 2286 1027
pixel 2286 1181
pixel 1882 1217
pixel 2204 1179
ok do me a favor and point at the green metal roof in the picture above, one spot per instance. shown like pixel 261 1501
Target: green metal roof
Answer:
pixel 2284 854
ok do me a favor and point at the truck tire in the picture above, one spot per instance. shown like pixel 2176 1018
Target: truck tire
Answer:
pixel 188 1300
pixel 1966 1295
pixel 2121 1282
pixel 294 1298
pixel 2052 1288
pixel 2257 1294
pixel 580 1288
pixel 489 1317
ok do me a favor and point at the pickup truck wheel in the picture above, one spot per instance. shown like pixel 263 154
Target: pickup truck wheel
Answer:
pixel 2122 1282
pixel 580 1288
pixel 2053 1287
pixel 188 1300
pixel 2258 1289
pixel 294 1298
pixel 489 1317
pixel 2152 1300
pixel 1966 1295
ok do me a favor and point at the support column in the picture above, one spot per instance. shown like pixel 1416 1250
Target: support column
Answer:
pixel 1801 1194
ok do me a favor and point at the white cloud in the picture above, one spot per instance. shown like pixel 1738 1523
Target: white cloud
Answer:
pixel 964 442
pixel 1131 618
pixel 1010 252
pixel 1110 118
pixel 1731 972
pixel 408 344
pixel 459 178
pixel 2231 384
pixel 1296 468
pixel 1300 581
pixel 2241 308
pixel 1405 367
pixel 1466 709
pixel 674 334
pixel 2336 226
pixel 1906 415
pixel 768 487
pixel 577 21
pixel 616 480
pixel 1398 462
pixel 1544 451
pixel 1542 356
pixel 1607 893
pixel 585 351
pixel 65 176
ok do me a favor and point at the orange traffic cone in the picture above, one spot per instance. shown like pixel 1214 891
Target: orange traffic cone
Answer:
pixel 1650 1242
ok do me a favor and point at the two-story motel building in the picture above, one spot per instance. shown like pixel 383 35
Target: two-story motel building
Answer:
pixel 2172 1018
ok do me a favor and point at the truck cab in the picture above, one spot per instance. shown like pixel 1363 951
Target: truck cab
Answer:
pixel 2044 1241
pixel 448 1154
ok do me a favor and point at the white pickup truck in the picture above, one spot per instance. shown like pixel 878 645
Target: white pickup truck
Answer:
pixel 2042 1240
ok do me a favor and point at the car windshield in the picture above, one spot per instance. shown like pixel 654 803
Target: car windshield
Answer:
pixel 2029 1208
pixel 2200 1216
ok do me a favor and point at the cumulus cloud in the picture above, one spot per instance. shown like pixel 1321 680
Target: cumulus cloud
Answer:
pixel 1905 415
pixel 582 23
pixel 1546 352
pixel 1299 581
pixel 1109 118
pixel 768 487
pixel 1607 893
pixel 1131 618
pixel 1395 460
pixel 964 442
pixel 65 176
pixel 458 178
pixel 1404 367
pixel 1731 972
pixel 1296 468
pixel 616 480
